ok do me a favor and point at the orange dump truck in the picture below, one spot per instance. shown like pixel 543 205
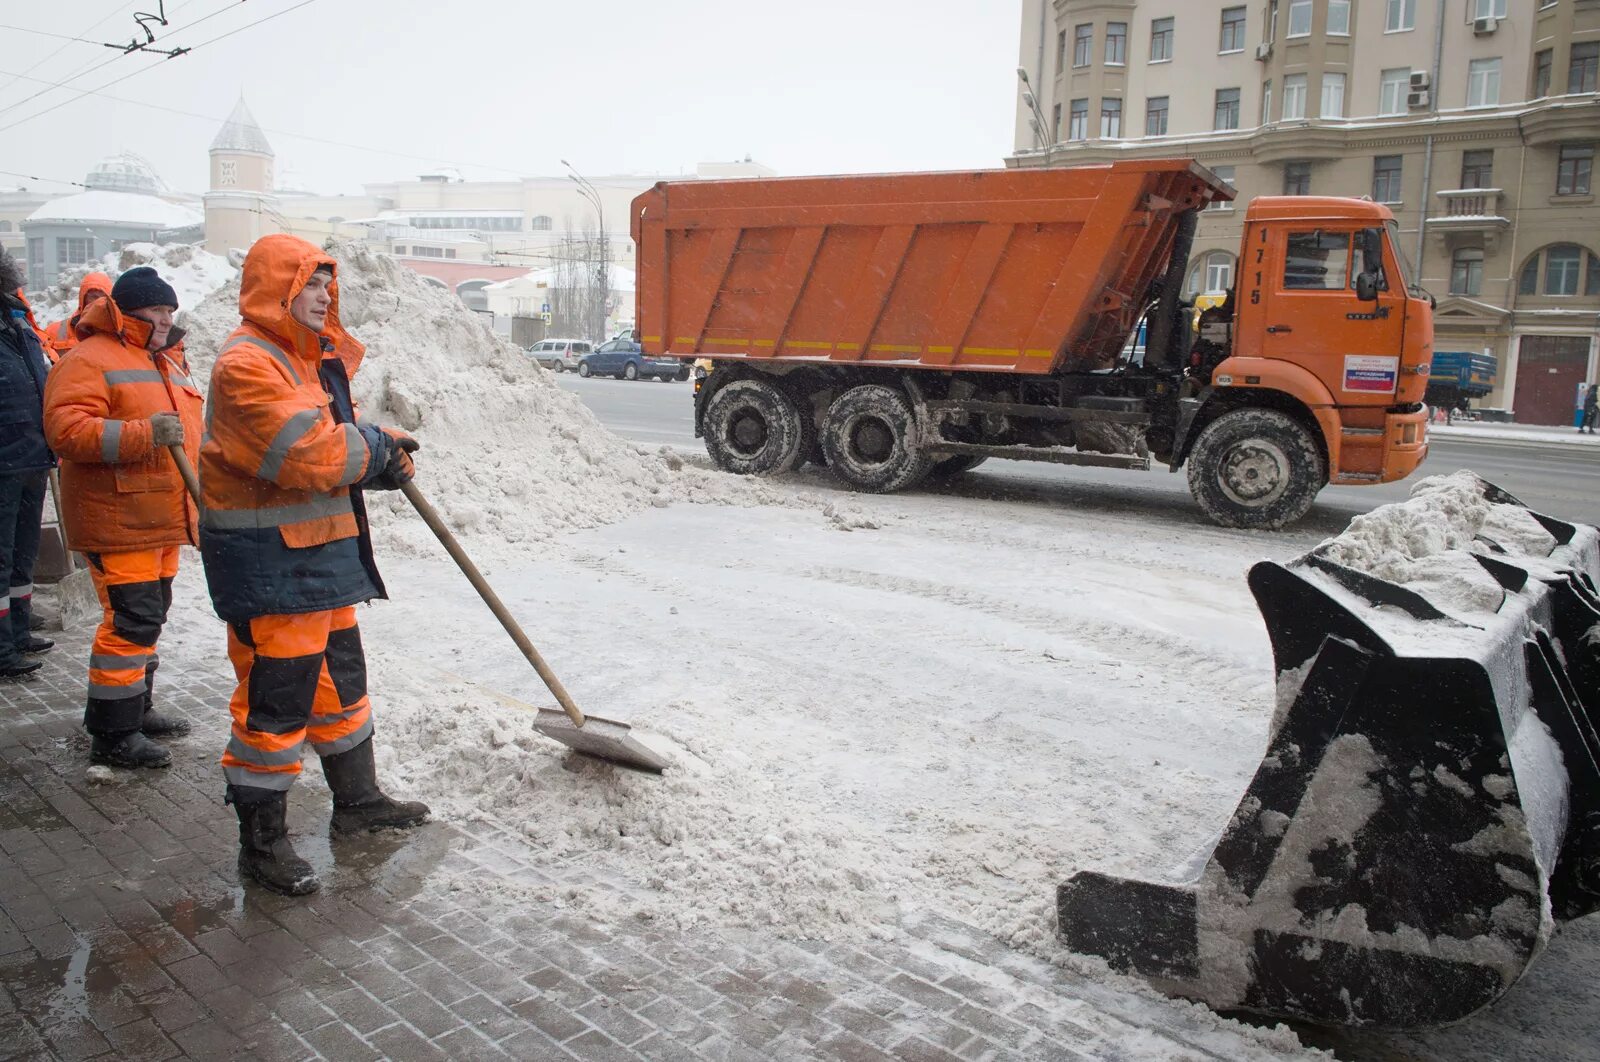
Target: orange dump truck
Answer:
pixel 905 326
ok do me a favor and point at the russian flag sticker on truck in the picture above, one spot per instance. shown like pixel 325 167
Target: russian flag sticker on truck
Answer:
pixel 1369 374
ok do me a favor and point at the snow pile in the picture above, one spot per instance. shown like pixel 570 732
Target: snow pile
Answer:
pixel 506 454
pixel 193 272
pixel 1423 542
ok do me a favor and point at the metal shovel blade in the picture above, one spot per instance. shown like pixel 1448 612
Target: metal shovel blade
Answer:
pixel 604 738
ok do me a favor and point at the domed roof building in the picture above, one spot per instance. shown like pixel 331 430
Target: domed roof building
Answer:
pixel 124 202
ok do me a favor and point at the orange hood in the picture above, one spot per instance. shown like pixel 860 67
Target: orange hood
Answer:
pixel 104 316
pixel 92 282
pixel 275 271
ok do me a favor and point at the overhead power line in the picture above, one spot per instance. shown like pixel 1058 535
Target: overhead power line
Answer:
pixel 85 32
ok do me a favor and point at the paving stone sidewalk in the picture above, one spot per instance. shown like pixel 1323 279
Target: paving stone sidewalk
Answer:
pixel 124 933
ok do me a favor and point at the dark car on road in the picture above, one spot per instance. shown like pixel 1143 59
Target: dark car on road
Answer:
pixel 626 360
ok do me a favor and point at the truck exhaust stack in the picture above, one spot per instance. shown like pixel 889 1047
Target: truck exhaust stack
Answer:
pixel 1429 802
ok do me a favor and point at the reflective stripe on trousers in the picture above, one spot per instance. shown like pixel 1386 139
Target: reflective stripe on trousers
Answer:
pixel 301 678
pixel 135 591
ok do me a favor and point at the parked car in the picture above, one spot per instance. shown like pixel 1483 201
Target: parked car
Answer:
pixel 626 360
pixel 560 355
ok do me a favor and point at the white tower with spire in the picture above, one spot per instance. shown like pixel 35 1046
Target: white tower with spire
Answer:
pixel 241 206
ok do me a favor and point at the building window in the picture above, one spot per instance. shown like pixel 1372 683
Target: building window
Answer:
pixel 1392 91
pixel 1316 261
pixel 1061 50
pixel 1483 83
pixel 1339 18
pixel 73 250
pixel 1055 124
pixel 1272 20
pixel 1082 44
pixel 1386 178
pixel 1219 271
pixel 1401 15
pixel 1575 169
pixel 1155 116
pixel 1233 19
pixel 540 224
pixel 1294 97
pixel 1558 266
pixel 399 249
pixel 1477 169
pixel 1266 103
pixel 1299 18
pixel 1543 62
pixel 1226 113
pixel 5 226
pixel 1117 43
pixel 1466 272
pixel 1297 179
pixel 35 252
pixel 1489 9
pixel 1333 95
pixel 1110 118
pixel 1078 121
pixel 1161 40
pixel 1584 73
pixel 1225 174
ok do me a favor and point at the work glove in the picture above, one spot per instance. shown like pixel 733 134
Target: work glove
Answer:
pixel 166 429
pixel 397 468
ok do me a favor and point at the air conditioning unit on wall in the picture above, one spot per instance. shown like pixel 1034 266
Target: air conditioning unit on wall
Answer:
pixel 1485 26
pixel 1420 81
pixel 1264 51
pixel 1417 100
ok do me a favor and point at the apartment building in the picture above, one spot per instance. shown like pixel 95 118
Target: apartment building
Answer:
pixel 1475 121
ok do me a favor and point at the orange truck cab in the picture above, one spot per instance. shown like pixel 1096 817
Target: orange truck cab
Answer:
pixel 905 326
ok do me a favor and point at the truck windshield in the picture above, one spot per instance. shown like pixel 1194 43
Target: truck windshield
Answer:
pixel 1407 273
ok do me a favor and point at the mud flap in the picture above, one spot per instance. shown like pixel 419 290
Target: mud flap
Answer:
pixel 1428 805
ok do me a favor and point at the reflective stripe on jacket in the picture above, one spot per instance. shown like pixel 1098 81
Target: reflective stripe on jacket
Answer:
pixel 284 531
pixel 119 491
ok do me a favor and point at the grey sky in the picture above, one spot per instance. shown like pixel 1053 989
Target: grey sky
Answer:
pixel 508 87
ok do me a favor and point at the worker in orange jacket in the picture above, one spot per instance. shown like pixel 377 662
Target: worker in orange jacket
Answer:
pixel 63 335
pixel 113 405
pixel 288 555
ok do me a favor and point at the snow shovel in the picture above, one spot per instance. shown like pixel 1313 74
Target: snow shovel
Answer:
pixel 76 601
pixel 606 739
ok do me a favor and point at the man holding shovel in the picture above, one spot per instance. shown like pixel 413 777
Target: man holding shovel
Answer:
pixel 288 554
pixel 113 405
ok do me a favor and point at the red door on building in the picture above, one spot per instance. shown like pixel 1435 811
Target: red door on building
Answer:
pixel 1549 369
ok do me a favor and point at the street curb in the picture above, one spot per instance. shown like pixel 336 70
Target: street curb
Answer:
pixel 1519 444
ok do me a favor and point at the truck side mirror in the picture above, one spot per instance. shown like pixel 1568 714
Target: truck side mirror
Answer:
pixel 1367 287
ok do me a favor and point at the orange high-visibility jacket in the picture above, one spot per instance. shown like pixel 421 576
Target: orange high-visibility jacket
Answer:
pixel 119 491
pixel 63 335
pixel 283 530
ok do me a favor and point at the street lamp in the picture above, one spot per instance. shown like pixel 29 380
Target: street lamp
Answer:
pixel 592 195
pixel 1036 116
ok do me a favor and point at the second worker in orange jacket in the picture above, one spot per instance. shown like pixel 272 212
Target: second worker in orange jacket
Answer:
pixel 113 405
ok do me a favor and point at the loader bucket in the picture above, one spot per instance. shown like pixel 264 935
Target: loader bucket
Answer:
pixel 1429 801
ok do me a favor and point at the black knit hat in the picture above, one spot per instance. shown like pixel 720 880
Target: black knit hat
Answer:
pixel 142 286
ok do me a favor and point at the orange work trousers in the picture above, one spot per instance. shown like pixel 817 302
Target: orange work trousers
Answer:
pixel 135 591
pixel 301 678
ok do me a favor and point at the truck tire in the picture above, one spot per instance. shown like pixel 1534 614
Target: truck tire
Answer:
pixel 752 428
pixel 870 439
pixel 1256 469
pixel 954 466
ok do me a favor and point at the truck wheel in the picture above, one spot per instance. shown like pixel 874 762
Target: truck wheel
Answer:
pixel 630 371
pixel 870 439
pixel 954 466
pixel 1256 469
pixel 753 428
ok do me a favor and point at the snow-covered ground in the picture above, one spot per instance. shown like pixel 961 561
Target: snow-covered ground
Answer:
pixel 879 704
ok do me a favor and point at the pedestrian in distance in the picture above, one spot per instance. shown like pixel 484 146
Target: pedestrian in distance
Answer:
pixel 63 335
pixel 114 405
pixel 25 463
pixel 1591 405
pixel 288 554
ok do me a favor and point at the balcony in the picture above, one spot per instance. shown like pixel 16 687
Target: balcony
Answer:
pixel 1469 212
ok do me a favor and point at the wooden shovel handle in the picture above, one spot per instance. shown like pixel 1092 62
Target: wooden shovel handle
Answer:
pixel 430 516
pixel 186 470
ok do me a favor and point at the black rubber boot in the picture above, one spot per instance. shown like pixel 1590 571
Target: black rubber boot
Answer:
pixel 154 723
pixel 36 645
pixel 265 855
pixel 358 804
pixel 127 750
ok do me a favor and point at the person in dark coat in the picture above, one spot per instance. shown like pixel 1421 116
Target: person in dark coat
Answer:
pixel 25 463
pixel 1591 405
